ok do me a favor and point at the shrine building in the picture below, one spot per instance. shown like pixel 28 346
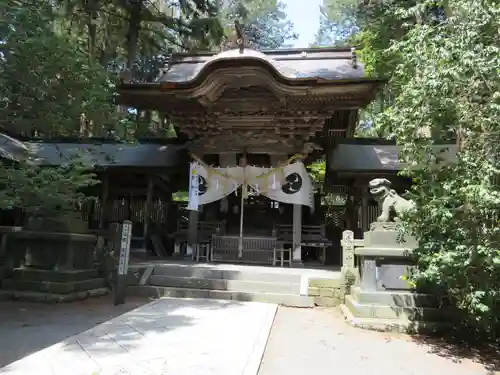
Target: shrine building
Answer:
pixel 252 121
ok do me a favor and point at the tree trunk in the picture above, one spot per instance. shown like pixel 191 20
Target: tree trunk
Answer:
pixel 92 17
pixel 134 27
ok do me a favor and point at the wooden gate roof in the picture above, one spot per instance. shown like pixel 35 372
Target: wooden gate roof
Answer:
pixel 291 64
pixel 93 154
pixel 319 71
pixel 108 154
pixel 375 155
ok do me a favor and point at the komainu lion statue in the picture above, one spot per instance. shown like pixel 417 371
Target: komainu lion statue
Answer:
pixel 391 203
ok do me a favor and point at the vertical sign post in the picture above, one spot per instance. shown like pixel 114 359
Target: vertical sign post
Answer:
pixel 121 277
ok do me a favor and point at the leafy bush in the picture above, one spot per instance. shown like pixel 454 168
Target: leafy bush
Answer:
pixel 449 83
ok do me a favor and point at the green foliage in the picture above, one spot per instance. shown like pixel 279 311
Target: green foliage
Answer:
pixel 265 22
pixel 442 60
pixel 48 83
pixel 49 88
pixel 448 82
pixel 317 171
pixel 338 22
pixel 44 191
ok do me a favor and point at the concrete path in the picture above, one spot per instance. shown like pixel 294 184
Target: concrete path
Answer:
pixel 318 341
pixel 167 336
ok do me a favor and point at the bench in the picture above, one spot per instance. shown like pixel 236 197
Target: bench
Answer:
pixel 205 230
pixel 311 236
pixel 261 250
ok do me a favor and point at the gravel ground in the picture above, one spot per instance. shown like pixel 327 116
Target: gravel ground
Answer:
pixel 26 327
pixel 318 342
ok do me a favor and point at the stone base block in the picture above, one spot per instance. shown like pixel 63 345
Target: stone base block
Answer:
pixel 33 274
pixel 394 325
pixel 51 297
pixel 394 298
pixel 381 236
pixel 327 301
pixel 326 292
pixel 396 312
pixel 281 299
pixel 54 286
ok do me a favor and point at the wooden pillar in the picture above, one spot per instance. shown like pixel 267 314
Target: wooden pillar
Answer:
pixel 192 235
pixel 104 200
pixel 354 213
pixel 147 211
pixel 297 233
pixel 226 160
pixel 192 232
pixel 364 209
pixel 168 208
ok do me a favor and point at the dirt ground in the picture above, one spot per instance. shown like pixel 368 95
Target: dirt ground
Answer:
pixel 318 341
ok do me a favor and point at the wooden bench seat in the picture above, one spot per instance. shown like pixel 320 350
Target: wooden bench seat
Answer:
pixel 311 236
pixel 205 230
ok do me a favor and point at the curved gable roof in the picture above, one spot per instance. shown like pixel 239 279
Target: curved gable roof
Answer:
pixel 296 64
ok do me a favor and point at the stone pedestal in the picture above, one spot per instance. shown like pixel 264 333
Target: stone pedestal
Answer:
pixel 382 298
pixel 385 258
pixel 52 260
pixel 51 250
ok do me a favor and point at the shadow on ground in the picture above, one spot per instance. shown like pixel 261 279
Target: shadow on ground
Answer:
pixel 487 354
pixel 26 328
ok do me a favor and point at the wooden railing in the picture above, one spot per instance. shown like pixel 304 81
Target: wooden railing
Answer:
pixel 255 249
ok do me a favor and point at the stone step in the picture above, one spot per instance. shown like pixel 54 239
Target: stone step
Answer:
pixel 394 325
pixel 394 298
pixel 282 299
pixel 360 310
pixel 213 272
pixel 53 286
pixel 25 273
pixel 51 297
pixel 223 284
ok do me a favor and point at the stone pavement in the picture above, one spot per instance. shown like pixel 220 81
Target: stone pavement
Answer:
pixel 27 327
pixel 319 342
pixel 167 336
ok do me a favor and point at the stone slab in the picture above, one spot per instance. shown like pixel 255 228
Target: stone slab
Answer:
pixel 32 274
pixel 222 284
pixel 389 239
pixel 390 276
pixel 394 298
pixel 396 252
pixel 53 286
pixel 430 314
pixel 394 325
pixel 324 283
pixel 237 272
pixel 277 298
pixel 167 336
pixel 41 297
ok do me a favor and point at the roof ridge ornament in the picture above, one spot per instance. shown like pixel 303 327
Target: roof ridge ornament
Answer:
pixel 238 40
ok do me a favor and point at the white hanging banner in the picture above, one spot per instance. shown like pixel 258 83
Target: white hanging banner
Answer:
pixel 194 185
pixel 290 184
pixel 213 185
